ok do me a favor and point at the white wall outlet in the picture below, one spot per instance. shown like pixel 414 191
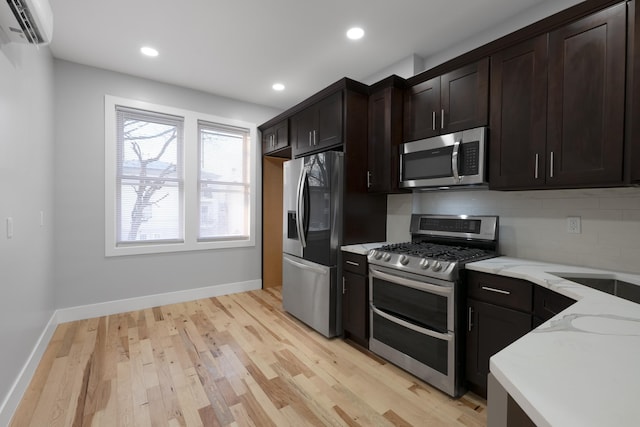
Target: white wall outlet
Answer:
pixel 573 225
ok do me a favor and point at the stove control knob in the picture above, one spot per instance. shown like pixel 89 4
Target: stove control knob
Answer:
pixel 386 257
pixel 404 260
pixel 377 254
pixel 437 266
pixel 424 264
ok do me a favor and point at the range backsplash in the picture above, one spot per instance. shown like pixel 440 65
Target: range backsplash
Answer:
pixel 533 224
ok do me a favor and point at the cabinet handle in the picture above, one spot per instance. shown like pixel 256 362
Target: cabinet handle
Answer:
pixel 442 119
pixel 433 120
pixel 353 263
pixel 309 138
pixel 536 168
pixel 368 179
pixel 551 171
pixel 498 291
pixel 315 137
pixel 470 318
pixel 344 287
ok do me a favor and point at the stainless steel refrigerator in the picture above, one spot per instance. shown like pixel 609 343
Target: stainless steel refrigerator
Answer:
pixel 312 236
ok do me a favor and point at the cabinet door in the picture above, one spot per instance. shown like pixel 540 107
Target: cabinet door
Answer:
pixel 318 126
pixel 490 328
pixel 422 110
pixel 302 127
pixel 586 100
pixel 519 115
pixel 385 133
pixel 281 137
pixel 328 122
pixel 355 311
pixel 276 137
pixel 268 140
pixel 465 97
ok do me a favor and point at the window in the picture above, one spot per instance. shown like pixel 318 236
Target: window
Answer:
pixel 149 183
pixel 176 180
pixel 223 182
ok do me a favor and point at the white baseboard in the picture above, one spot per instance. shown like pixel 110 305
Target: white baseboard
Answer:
pixel 19 386
pixel 139 303
pixel 63 315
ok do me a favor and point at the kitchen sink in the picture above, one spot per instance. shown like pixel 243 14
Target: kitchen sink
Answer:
pixel 608 284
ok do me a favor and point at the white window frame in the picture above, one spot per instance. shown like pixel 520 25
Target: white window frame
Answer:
pixel 191 168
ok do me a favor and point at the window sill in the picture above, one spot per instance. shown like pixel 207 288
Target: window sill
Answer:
pixel 147 249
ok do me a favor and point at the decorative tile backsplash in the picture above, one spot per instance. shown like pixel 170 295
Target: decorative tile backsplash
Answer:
pixel 533 224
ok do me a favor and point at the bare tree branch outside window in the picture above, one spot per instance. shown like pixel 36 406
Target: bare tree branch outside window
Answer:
pixel 148 142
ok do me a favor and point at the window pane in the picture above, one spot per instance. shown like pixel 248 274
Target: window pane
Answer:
pixel 224 211
pixel 156 219
pixel 223 182
pixel 149 149
pixel 149 190
pixel 221 156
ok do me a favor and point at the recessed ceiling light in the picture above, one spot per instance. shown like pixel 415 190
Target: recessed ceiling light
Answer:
pixel 355 33
pixel 149 51
pixel 278 86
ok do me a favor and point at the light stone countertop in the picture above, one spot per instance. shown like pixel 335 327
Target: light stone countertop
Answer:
pixel 363 248
pixel 582 367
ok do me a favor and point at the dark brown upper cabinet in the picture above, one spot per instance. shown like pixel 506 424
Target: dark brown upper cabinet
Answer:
pixel 557 107
pixel 518 123
pixel 275 140
pixel 585 128
pixel 632 165
pixel 385 135
pixel 451 102
pixel 318 126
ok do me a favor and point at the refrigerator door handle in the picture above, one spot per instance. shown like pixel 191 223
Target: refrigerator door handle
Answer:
pixel 300 207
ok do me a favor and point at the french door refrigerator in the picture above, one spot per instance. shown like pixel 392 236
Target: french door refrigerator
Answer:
pixel 312 236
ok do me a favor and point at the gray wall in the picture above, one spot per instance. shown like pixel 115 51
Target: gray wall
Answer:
pixel 533 224
pixel 83 275
pixel 533 14
pixel 26 186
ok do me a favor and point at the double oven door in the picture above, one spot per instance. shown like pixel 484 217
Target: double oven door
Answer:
pixel 413 320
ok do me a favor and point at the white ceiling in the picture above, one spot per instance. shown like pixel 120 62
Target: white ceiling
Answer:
pixel 239 48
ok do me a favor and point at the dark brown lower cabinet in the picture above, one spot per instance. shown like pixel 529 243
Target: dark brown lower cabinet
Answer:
pixel 499 311
pixel 355 298
pixel 547 303
pixel 490 328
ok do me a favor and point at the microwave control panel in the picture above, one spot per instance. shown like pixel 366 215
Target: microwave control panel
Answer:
pixel 469 153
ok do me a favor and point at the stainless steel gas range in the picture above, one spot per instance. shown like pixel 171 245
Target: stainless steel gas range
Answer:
pixel 416 295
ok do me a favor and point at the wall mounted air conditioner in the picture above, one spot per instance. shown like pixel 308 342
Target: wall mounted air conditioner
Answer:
pixel 26 21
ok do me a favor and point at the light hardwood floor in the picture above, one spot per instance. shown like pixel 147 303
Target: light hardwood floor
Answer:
pixel 234 360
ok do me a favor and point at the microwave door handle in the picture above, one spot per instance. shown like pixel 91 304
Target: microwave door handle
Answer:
pixel 300 207
pixel 454 161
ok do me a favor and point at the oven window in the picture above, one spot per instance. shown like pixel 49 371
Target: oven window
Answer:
pixel 421 308
pixel 430 351
pixel 427 164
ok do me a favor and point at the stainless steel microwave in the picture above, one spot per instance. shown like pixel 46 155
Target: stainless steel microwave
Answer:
pixel 455 159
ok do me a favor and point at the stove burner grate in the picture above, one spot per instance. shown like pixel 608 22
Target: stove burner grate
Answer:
pixel 436 251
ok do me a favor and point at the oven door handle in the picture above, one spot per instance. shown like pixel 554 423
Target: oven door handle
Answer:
pixel 418 329
pixel 434 289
